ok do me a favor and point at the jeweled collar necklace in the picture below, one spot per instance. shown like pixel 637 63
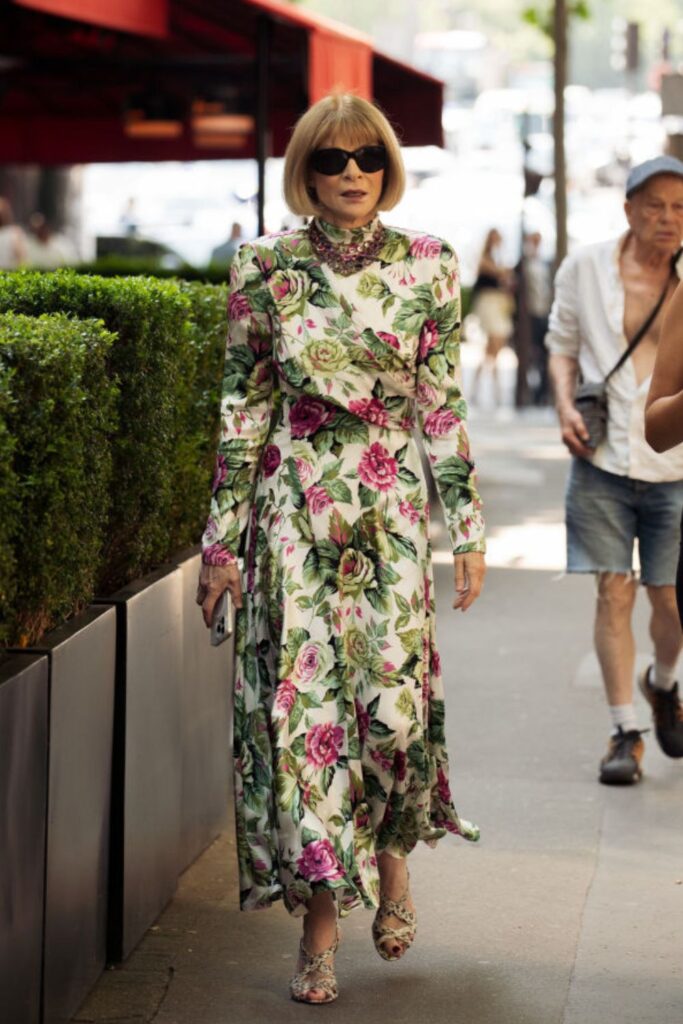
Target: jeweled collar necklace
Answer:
pixel 346 250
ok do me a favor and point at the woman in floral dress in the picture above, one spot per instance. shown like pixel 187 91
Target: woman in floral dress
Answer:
pixel 343 337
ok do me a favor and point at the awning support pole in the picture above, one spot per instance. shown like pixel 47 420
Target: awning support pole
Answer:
pixel 262 61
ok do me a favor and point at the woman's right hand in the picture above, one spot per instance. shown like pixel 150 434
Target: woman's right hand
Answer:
pixel 213 581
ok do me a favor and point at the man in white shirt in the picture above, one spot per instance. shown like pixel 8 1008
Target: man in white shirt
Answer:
pixel 621 490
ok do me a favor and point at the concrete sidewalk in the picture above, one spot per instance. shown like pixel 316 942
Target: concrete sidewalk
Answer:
pixel 569 910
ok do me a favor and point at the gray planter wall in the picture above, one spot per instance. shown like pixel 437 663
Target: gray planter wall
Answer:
pixel 205 723
pixel 23 812
pixel 82 659
pixel 146 795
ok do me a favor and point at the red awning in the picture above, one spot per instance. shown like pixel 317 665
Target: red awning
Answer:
pixel 69 68
pixel 144 17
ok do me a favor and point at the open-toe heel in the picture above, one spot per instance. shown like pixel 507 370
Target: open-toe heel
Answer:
pixel 384 935
pixel 315 972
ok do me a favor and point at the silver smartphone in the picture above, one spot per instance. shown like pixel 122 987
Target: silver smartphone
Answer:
pixel 221 621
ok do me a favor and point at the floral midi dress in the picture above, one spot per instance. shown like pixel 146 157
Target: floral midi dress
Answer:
pixel 319 487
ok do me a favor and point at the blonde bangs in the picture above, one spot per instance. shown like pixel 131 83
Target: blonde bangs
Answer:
pixel 359 123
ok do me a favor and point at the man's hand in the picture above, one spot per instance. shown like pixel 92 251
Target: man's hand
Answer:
pixel 470 570
pixel 574 432
pixel 213 581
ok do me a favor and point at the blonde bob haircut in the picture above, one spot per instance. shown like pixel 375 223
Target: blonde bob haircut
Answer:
pixel 358 123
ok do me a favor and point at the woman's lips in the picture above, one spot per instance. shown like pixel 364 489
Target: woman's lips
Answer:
pixel 353 194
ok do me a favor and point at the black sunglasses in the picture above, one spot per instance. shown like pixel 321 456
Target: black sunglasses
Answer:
pixel 370 159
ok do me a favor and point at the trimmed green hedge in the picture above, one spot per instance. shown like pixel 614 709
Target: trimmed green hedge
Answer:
pixel 199 411
pixel 125 266
pixel 150 360
pixel 58 406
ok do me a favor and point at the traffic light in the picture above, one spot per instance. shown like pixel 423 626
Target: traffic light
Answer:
pixel 625 45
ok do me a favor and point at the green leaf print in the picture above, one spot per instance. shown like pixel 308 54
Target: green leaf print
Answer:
pixel 295 638
pixel 298 746
pixel 339 531
pixel 338 491
pixel 379 729
pixel 437 722
pixel 368 497
pixel 371 286
pixel 405 705
pixel 402 547
pixel 296 714
pixel 327 778
pixel 309 836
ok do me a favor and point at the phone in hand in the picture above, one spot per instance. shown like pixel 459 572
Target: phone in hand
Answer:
pixel 221 620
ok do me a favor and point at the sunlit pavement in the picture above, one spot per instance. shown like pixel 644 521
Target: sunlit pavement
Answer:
pixel 569 910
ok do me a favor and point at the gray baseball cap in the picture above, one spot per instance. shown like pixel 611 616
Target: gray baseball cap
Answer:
pixel 641 174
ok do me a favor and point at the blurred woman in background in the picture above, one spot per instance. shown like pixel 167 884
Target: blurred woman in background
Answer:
pixel 493 305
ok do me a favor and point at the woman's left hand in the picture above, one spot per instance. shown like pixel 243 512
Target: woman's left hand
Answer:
pixel 470 570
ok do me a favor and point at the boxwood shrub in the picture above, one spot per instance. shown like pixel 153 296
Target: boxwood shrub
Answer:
pixel 58 405
pixel 124 266
pixel 150 359
pixel 200 409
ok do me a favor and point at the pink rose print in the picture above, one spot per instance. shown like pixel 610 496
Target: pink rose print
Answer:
pixel 307 415
pixel 382 759
pixel 377 469
pixel 312 661
pixel 318 861
pixel 370 409
pixel 425 247
pixel 220 473
pixel 442 786
pixel 281 288
pixel 271 459
pixel 211 531
pixel 439 423
pixel 400 765
pixel 389 339
pixel 435 662
pixel 363 719
pixel 429 337
pixel 317 499
pixel 238 306
pixel 323 744
pixel 216 554
pixel 285 696
pixel 407 509
pixel 426 395
pixel 303 469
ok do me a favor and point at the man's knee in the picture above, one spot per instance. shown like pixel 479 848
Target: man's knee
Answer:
pixel 616 595
pixel 663 601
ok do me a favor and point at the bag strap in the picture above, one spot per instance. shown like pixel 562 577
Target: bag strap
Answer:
pixel 645 327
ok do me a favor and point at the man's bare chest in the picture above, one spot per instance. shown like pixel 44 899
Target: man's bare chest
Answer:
pixel 641 294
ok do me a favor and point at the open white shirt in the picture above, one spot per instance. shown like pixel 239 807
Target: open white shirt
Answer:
pixel 587 324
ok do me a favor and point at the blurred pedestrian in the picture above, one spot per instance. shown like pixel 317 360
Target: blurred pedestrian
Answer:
pixel 664 406
pixel 493 305
pixel 619 489
pixel 340 764
pixel 224 252
pixel 538 283
pixel 12 239
pixel 47 249
pixel 128 221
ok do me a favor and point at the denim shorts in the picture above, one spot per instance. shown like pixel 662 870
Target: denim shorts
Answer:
pixel 606 513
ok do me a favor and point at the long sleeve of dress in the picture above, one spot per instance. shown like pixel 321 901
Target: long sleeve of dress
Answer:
pixel 246 409
pixel 442 410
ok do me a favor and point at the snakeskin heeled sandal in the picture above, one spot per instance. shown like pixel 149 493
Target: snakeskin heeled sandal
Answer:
pixel 384 936
pixel 317 972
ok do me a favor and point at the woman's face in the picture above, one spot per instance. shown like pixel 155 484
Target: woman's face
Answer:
pixel 348 199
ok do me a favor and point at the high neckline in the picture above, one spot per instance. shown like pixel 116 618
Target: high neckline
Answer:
pixel 348 236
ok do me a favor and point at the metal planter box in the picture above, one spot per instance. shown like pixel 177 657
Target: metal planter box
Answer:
pixel 205 722
pixel 23 814
pixel 147 766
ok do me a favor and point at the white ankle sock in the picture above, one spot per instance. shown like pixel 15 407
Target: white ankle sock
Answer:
pixel 663 677
pixel 623 715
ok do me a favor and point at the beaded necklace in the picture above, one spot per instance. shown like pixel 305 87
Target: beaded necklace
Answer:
pixel 346 258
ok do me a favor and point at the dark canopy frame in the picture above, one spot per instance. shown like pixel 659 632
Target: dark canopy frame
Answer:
pixel 68 70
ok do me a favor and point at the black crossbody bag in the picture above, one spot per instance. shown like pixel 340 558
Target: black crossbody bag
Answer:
pixel 591 396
